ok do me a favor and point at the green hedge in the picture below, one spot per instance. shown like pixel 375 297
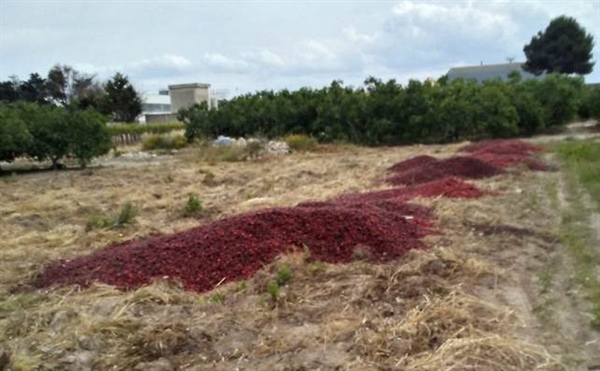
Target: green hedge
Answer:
pixel 134 128
pixel 49 133
pixel 388 113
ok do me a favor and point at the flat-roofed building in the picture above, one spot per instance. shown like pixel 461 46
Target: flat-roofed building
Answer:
pixel 489 72
pixel 185 95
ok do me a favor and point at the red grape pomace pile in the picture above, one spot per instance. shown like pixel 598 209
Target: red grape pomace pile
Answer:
pixel 461 166
pixel 237 247
pixel 485 159
pixel 504 153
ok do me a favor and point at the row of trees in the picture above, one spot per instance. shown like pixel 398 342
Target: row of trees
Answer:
pixel 51 133
pixel 66 87
pixel 388 113
pixel 63 115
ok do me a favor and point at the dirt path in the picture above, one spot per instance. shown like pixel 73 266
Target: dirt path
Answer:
pixel 548 295
pixel 569 310
pixel 577 130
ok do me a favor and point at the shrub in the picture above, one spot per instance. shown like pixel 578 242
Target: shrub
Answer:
pixel 196 121
pixel 224 154
pixel 209 176
pixel 300 142
pixel 241 286
pixel 231 154
pixel 88 136
pixel 193 207
pixel 217 298
pixel 273 290
pixel 52 133
pixel 14 137
pixel 560 97
pixel 49 128
pixel 97 221
pixel 151 141
pixel 253 148
pixel 163 141
pixel 284 275
pixel 125 216
pixel 590 104
pixel 134 128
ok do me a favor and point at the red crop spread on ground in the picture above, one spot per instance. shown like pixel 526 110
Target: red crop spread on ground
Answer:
pixel 505 153
pixel 237 247
pixel 461 166
pixel 413 162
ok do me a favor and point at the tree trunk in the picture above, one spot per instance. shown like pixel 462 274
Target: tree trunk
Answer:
pixel 55 164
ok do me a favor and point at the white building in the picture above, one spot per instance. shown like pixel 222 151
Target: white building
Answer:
pixel 155 105
pixel 163 107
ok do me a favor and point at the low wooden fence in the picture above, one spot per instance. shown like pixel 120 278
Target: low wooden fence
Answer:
pixel 126 139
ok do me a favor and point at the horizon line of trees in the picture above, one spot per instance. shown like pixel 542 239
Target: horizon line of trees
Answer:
pixel 66 87
pixel 51 133
pixel 389 113
pixel 63 115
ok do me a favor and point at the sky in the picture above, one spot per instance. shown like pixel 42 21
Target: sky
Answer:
pixel 245 46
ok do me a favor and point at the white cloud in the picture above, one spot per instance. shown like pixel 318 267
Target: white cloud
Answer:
pixel 167 61
pixel 167 65
pixel 12 39
pixel 164 66
pixel 313 51
pixel 283 44
pixel 90 68
pixel 442 33
pixel 220 62
pixel 354 36
pixel 304 56
pixel 264 57
pixel 438 35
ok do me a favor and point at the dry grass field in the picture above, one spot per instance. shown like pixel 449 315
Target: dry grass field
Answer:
pixel 492 291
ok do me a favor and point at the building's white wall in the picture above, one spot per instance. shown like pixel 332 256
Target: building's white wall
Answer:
pixel 187 95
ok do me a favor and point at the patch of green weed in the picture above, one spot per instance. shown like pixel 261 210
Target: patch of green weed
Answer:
pixel 193 207
pixel 273 291
pixel 284 275
pixel 217 298
pixel 125 216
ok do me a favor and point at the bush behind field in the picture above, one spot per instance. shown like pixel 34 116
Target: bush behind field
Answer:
pixel 51 133
pixel 135 128
pixel 300 142
pixel 172 140
pixel 388 113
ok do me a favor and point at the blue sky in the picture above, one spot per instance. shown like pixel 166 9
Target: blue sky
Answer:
pixel 243 46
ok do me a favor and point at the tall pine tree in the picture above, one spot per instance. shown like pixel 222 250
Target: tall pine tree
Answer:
pixel 121 99
pixel 564 47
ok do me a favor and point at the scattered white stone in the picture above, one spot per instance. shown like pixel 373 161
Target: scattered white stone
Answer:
pixel 138 155
pixel 223 141
pixel 272 147
pixel 277 147
pixel 240 142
